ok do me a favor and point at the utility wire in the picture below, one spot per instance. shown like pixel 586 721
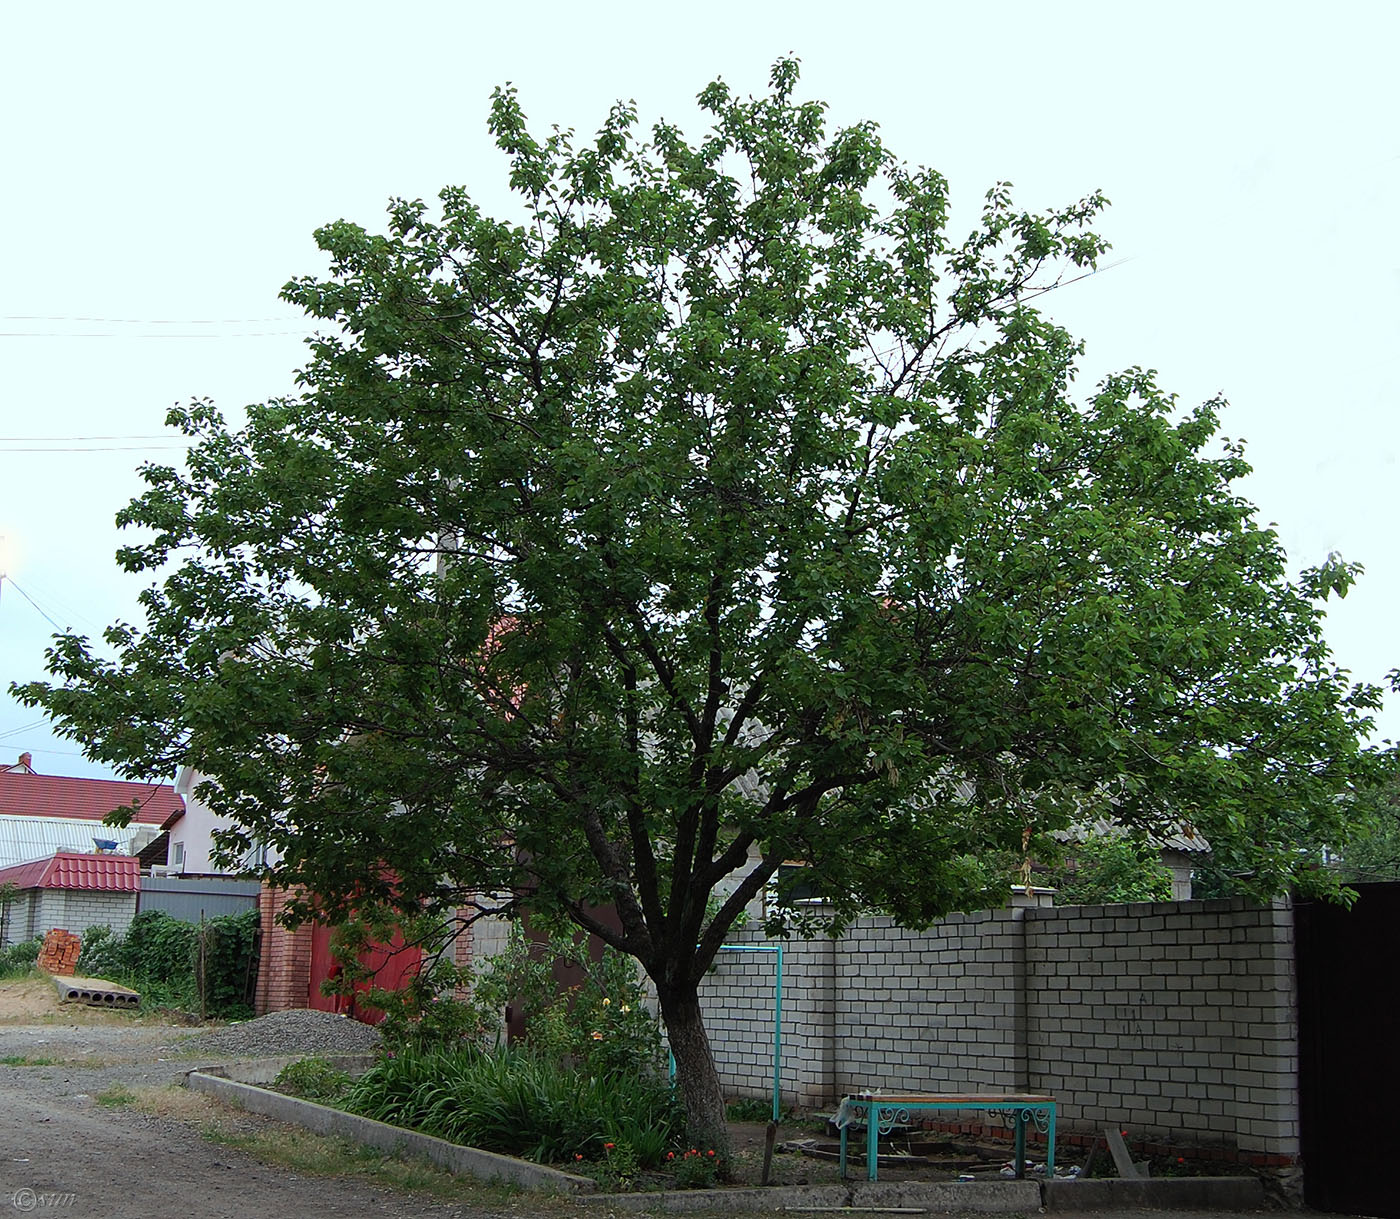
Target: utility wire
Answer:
pixel 21 730
pixel 31 601
pixel 68 439
pixel 140 321
pixel 77 334
pixel 93 448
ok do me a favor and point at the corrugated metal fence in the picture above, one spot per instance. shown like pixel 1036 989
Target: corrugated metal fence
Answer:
pixel 194 897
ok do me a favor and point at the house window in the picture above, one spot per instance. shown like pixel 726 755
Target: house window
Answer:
pixel 177 855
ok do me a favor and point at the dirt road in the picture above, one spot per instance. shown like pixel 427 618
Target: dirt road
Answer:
pixel 64 1152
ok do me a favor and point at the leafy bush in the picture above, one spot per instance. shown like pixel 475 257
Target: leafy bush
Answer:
pixel 696 1169
pixel 1108 868
pixel 313 1079
pixel 602 1025
pixel 518 1103
pixel 173 962
pixel 754 1109
pixel 226 968
pixel 18 959
pixel 101 955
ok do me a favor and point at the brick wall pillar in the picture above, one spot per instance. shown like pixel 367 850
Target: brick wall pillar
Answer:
pixel 284 963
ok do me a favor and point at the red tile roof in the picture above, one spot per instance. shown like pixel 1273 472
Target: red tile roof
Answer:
pixel 70 870
pixel 29 795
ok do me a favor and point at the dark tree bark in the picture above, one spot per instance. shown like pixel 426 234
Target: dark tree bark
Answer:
pixel 695 1070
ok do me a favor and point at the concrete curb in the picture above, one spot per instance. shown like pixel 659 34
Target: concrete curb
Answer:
pixel 938 1197
pixel 266 1070
pixel 321 1119
pixel 722 1200
pixel 1159 1193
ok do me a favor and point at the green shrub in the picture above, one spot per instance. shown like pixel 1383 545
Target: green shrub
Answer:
pixel 313 1079
pixel 754 1109
pixel 228 973
pixel 697 1168
pixel 602 1025
pixel 173 963
pixel 18 959
pixel 101 955
pixel 518 1103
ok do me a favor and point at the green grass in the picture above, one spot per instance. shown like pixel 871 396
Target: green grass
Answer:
pixel 321 1156
pixel 24 1060
pixel 300 1151
pixel 115 1097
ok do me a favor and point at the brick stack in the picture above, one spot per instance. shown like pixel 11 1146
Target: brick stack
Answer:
pixel 59 954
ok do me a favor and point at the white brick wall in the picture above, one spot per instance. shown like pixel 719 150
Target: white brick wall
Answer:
pixel 76 910
pixel 1175 1018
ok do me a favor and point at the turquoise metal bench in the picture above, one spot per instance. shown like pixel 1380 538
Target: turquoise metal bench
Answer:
pixel 880 1114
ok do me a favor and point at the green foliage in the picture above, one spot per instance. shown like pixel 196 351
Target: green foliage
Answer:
pixel 1372 850
pixel 1106 868
pixel 160 956
pixel 697 1168
pixel 516 1103
pixel 115 1096
pixel 621 1163
pixel 314 1079
pixel 718 508
pixel 225 969
pixel 17 960
pixel 157 946
pixel 754 1109
pixel 603 1024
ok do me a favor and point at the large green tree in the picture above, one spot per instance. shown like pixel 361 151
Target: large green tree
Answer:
pixel 717 510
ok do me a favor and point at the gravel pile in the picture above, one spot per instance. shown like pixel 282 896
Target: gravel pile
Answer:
pixel 301 1030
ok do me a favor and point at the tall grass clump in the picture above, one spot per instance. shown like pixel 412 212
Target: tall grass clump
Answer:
pixel 519 1103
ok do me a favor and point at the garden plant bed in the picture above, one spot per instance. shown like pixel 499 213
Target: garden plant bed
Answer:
pixel 796 1162
pixel 323 1119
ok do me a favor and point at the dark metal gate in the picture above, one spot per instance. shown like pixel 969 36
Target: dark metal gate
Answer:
pixel 1349 1050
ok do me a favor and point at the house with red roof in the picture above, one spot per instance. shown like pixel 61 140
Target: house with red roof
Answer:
pixel 41 814
pixel 66 867
pixel 72 891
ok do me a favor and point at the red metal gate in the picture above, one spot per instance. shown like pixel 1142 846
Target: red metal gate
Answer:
pixel 393 965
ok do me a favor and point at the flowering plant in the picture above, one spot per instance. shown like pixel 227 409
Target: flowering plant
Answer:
pixel 695 1169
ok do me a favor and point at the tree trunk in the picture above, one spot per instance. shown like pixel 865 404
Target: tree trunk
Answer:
pixel 695 1071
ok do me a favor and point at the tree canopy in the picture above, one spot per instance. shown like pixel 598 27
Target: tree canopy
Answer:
pixel 720 509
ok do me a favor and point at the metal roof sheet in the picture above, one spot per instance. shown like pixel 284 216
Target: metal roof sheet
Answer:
pixel 71 870
pixel 25 794
pixel 25 838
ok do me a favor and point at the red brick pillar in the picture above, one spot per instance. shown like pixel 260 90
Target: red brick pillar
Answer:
pixel 284 965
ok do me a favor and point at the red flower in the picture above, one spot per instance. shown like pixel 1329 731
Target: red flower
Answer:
pixel 609 1146
pixel 710 1152
pixel 577 1156
pixel 670 1155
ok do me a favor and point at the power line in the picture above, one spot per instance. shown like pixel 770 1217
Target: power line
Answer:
pixel 77 334
pixel 67 439
pixel 139 321
pixel 93 448
pixel 31 601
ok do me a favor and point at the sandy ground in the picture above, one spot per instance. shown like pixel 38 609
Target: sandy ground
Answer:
pixel 35 1001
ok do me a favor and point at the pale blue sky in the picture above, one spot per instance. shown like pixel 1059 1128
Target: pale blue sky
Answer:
pixel 166 164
